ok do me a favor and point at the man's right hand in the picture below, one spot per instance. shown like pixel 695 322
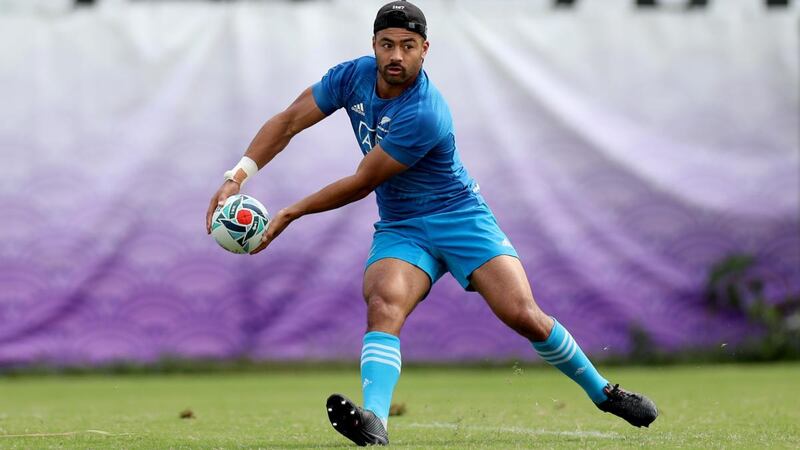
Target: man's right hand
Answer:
pixel 226 190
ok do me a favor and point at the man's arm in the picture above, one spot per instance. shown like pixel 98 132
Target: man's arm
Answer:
pixel 273 137
pixel 276 133
pixel 373 170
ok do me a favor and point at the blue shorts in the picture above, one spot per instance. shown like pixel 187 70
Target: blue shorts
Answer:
pixel 457 242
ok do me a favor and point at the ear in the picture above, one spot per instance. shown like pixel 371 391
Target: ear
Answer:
pixel 425 46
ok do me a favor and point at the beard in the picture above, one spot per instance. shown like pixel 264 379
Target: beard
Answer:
pixel 394 78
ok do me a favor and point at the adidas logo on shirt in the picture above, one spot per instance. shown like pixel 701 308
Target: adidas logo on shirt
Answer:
pixel 359 108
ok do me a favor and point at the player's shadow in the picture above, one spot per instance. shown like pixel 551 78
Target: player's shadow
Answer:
pixel 464 442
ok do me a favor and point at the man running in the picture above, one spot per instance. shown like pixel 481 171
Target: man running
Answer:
pixel 433 219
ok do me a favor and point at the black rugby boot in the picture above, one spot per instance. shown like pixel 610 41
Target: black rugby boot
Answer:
pixel 357 424
pixel 637 409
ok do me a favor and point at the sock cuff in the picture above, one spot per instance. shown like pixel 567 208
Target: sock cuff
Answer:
pixel 379 337
pixel 556 337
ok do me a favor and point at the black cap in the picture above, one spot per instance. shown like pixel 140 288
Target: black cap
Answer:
pixel 401 14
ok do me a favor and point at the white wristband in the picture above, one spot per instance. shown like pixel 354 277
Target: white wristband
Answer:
pixel 245 169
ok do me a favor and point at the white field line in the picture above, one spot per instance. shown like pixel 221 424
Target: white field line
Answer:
pixel 67 433
pixel 517 430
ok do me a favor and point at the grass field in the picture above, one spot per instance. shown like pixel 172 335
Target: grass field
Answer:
pixel 701 407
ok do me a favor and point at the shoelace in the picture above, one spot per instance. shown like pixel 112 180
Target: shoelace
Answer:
pixel 618 393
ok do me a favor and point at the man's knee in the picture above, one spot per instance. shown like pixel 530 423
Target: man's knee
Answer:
pixel 383 314
pixel 532 323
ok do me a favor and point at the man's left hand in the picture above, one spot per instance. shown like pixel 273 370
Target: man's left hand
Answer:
pixel 276 225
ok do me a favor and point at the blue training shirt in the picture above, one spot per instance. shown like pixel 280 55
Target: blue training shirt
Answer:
pixel 415 128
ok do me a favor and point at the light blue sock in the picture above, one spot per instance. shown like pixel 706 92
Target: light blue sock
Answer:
pixel 561 350
pixel 380 370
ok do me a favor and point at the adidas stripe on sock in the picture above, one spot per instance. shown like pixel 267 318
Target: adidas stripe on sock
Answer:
pixel 380 369
pixel 561 351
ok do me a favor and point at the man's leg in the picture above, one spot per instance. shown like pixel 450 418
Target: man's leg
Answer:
pixel 503 284
pixel 392 288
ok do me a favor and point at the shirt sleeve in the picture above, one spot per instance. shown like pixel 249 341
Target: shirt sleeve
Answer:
pixel 330 92
pixel 412 135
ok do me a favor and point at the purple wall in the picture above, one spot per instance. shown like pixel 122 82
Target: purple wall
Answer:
pixel 622 154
